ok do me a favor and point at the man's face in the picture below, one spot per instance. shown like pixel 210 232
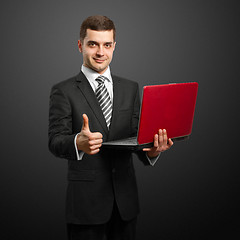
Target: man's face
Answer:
pixel 97 49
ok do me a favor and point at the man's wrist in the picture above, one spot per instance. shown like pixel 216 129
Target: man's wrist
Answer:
pixel 79 154
pixel 152 160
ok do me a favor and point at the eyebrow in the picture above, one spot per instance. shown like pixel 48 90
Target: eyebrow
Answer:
pixel 94 42
pixel 108 42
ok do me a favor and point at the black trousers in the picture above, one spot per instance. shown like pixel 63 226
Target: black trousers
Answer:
pixel 114 229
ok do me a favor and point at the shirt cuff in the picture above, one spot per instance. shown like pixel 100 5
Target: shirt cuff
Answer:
pixel 78 154
pixel 152 161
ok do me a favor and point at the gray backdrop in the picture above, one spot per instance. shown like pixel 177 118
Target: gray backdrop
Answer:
pixel 193 191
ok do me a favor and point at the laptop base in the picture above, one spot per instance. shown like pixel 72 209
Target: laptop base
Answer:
pixel 132 144
pixel 126 144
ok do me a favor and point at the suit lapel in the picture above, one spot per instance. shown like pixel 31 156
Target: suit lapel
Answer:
pixel 89 94
pixel 116 104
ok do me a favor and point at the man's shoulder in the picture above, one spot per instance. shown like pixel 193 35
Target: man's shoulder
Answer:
pixel 125 81
pixel 67 82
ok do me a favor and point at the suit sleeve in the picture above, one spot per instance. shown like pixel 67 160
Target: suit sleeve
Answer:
pixel 60 136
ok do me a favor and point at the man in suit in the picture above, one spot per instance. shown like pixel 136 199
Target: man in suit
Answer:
pixel 102 198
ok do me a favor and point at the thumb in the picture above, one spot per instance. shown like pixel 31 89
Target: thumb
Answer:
pixel 85 125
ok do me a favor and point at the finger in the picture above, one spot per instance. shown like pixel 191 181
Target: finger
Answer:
pixel 95 135
pixel 95 142
pixel 156 139
pixel 165 137
pixel 92 152
pixel 170 142
pixel 147 149
pixel 95 147
pixel 85 125
pixel 160 137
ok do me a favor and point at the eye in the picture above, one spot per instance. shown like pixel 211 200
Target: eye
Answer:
pixel 91 44
pixel 108 45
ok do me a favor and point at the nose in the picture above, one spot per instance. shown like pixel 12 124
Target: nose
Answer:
pixel 100 51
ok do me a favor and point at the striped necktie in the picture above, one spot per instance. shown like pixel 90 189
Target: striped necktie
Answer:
pixel 104 99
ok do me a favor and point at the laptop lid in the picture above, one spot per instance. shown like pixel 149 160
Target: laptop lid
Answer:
pixel 167 106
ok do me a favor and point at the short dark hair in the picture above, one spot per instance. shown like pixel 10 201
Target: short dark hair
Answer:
pixel 97 23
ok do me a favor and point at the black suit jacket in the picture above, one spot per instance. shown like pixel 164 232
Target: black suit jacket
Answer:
pixel 96 180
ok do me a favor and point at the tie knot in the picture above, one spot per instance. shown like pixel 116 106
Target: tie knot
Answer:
pixel 100 79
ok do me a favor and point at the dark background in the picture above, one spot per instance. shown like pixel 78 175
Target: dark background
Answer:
pixel 193 191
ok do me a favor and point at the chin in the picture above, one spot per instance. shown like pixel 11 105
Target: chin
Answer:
pixel 100 69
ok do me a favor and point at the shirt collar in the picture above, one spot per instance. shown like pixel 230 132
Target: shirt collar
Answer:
pixel 91 75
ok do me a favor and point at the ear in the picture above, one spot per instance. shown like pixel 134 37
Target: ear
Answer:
pixel 79 45
pixel 114 45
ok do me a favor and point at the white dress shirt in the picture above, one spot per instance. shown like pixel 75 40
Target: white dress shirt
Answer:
pixel 91 76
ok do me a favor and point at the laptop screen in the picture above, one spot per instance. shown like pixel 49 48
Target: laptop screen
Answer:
pixel 167 106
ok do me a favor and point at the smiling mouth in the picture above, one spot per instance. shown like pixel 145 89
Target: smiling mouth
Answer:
pixel 99 60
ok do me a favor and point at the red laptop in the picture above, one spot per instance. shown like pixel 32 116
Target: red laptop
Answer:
pixel 166 106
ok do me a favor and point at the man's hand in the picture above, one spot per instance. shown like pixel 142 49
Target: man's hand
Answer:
pixel 161 143
pixel 87 141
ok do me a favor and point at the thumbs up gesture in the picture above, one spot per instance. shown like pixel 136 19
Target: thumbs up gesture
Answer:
pixel 87 141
